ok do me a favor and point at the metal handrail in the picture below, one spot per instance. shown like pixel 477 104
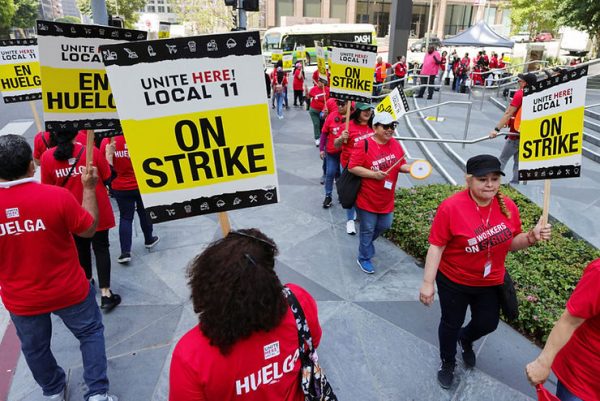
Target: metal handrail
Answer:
pixel 463 141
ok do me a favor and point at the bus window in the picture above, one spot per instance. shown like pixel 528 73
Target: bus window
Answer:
pixel 288 43
pixel 271 41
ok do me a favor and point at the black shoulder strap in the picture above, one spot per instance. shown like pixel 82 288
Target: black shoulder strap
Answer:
pixel 73 167
pixel 45 141
pixel 304 336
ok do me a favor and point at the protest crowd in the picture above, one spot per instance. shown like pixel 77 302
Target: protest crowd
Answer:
pixel 254 330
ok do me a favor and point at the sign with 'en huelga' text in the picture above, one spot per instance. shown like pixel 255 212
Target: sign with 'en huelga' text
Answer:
pixel 352 66
pixel 552 127
pixel 20 79
pixel 75 90
pixel 195 116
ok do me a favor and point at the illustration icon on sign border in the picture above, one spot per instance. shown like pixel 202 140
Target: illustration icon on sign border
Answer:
pixel 192 46
pixel 211 46
pixel 220 203
pixel 130 53
pixel 250 41
pixel 172 48
pixel 231 43
pixel 204 206
pixel 151 51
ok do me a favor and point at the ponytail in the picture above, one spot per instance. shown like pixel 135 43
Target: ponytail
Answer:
pixel 64 144
pixel 502 204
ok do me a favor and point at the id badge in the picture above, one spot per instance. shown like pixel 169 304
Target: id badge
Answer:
pixel 487 269
pixel 387 184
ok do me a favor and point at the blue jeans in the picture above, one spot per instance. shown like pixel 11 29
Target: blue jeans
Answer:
pixel 129 202
pixel 332 170
pixel 371 226
pixel 85 322
pixel 459 82
pixel 564 394
pixel 279 100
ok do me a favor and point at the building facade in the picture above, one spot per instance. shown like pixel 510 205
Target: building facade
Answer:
pixel 51 9
pixel 449 17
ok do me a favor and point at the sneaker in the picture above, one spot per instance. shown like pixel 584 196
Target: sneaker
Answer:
pixel 322 181
pixel 124 258
pixel 366 266
pixel 108 304
pixel 350 227
pixel 317 142
pixel 468 355
pixel 152 242
pixel 55 397
pixel 103 397
pixel 327 202
pixel 445 375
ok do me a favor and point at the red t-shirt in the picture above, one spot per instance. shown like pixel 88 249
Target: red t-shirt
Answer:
pixel 318 97
pixel 377 196
pixel 494 62
pixel 332 129
pixel 264 366
pixel 461 228
pixel 41 143
pixel 400 70
pixel 356 133
pixel 55 171
pixel 298 84
pixel 381 71
pixel 577 365
pixel 315 77
pixel 81 136
pixel 125 179
pixel 39 267
pixel 517 101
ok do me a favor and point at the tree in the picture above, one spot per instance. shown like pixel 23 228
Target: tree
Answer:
pixel 25 14
pixel 126 9
pixel 7 11
pixel 581 14
pixel 69 19
pixel 537 15
pixel 204 16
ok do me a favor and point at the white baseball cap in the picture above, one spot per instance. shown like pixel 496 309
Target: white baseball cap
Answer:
pixel 383 118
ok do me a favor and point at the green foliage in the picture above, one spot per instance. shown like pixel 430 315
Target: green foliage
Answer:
pixel 536 15
pixel 26 12
pixel 69 19
pixel 544 275
pixel 581 14
pixel 7 11
pixel 204 16
pixel 126 9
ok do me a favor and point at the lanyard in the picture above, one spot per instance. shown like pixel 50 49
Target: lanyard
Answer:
pixel 486 224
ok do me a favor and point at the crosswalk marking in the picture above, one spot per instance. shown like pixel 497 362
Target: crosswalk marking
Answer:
pixel 16 127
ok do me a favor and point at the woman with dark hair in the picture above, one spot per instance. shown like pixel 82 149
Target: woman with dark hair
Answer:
pixel 246 344
pixel 280 82
pixel 360 128
pixel 62 167
pixel 472 232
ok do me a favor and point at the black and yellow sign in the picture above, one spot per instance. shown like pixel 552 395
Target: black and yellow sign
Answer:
pixel 352 66
pixel 20 70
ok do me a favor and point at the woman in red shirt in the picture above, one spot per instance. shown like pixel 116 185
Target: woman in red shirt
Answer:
pixel 471 234
pixel 298 85
pixel 280 83
pixel 360 128
pixel 332 129
pixel 127 194
pixel 62 166
pixel 245 346
pixel 378 160
pixel 318 96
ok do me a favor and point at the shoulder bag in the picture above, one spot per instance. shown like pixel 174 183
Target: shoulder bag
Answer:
pixel 508 298
pixel 348 185
pixel 312 378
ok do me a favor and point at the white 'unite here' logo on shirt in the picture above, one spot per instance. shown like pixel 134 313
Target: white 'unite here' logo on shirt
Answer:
pixel 12 213
pixel 271 350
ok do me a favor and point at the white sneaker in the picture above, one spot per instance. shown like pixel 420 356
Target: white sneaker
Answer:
pixel 55 397
pixel 103 397
pixel 317 142
pixel 350 227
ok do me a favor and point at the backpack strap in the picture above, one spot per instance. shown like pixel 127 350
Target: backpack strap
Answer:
pixel 64 182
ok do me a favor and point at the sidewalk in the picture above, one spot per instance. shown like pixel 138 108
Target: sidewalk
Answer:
pixel 379 343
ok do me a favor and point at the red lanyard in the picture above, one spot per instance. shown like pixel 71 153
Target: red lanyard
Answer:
pixel 486 226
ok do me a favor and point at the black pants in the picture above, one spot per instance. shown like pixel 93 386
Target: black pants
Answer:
pixel 428 80
pixel 298 97
pixel 454 299
pixel 99 243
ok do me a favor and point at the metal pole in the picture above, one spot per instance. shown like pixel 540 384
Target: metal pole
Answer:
pixel 428 34
pixel 437 111
pixel 99 13
pixel 482 97
pixel 467 123
pixel 241 16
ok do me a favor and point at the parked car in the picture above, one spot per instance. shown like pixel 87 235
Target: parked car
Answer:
pixel 543 37
pixel 419 45
pixel 520 37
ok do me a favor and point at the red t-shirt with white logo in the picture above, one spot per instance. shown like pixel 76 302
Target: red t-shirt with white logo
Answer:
pixel 125 179
pixel 55 171
pixel 473 236
pixel 356 133
pixel 577 365
pixel 39 267
pixel 377 196
pixel 332 129
pixel 264 366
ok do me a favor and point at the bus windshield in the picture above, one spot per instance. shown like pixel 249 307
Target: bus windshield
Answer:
pixel 271 41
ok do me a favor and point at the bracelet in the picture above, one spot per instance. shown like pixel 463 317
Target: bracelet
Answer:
pixel 529 241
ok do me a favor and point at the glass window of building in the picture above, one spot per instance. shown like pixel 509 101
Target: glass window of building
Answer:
pixel 160 9
pixel 338 9
pixel 376 13
pixel 458 18
pixel 312 8
pixel 418 25
pixel 151 9
pixel 490 15
pixel 283 8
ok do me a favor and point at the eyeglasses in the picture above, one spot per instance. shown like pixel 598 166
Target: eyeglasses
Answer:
pixel 389 126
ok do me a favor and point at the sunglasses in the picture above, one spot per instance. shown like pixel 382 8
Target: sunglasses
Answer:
pixel 389 126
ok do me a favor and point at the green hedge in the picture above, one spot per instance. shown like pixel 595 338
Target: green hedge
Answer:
pixel 544 275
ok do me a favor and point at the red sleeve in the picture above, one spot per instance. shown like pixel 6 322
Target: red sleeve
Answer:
pixel 517 100
pixel 46 176
pixel 38 146
pixel 183 385
pixel 585 300
pixel 315 76
pixel 514 215
pixel 102 165
pixel 78 219
pixel 440 233
pixel 358 155
pixel 327 124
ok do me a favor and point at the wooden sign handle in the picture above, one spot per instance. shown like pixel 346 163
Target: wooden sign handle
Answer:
pixel 36 117
pixel 546 202
pixel 224 222
pixel 348 108
pixel 89 148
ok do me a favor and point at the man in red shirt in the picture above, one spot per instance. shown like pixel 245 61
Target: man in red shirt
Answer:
pixel 573 347
pixel 512 117
pixel 40 272
pixel 399 71
pixel 380 75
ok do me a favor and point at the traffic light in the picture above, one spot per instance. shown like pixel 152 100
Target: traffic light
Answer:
pixel 251 5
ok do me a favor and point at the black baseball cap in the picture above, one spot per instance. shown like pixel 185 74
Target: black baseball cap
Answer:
pixel 529 78
pixel 481 165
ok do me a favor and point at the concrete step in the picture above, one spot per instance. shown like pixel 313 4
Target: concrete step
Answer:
pixel 593 114
pixel 591 147
pixel 592 125
pixel 593 82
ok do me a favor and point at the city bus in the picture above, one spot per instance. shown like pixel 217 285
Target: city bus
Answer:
pixel 287 38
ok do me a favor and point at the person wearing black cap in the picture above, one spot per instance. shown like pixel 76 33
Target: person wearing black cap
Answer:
pixel 512 117
pixel 471 234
